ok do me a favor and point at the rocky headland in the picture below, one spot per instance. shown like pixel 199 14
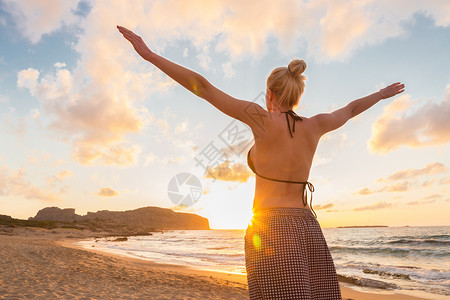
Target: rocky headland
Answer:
pixel 131 222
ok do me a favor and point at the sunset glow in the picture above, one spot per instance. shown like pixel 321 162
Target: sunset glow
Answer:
pixel 87 124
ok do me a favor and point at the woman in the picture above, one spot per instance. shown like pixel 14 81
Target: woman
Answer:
pixel 285 252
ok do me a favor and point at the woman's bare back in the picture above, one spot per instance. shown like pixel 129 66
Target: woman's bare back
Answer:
pixel 278 155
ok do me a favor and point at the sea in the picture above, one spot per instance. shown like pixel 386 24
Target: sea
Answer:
pixel 408 260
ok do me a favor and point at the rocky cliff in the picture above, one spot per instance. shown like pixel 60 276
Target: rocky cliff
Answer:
pixel 138 220
pixel 5 218
pixel 56 214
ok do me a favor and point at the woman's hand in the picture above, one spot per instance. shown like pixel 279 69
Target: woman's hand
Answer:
pixel 137 42
pixel 392 90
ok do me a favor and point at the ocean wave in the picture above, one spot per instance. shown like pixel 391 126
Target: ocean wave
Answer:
pixel 391 272
pixel 409 267
pixel 395 251
pixel 413 258
pixel 365 282
pixel 420 241
pixel 385 274
pixel 439 236
pixel 212 257
pixel 423 236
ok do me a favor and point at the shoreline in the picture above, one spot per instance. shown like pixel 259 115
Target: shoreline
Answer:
pixel 49 263
pixel 348 290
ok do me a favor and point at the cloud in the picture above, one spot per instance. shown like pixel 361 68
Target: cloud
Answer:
pixel 173 159
pixel 378 205
pixel 111 154
pixel 180 207
pixel 428 183
pixel 343 26
pixel 97 105
pixel 321 160
pixel 59 177
pixel 404 124
pixel 178 134
pixel 405 176
pixel 28 78
pixel 430 169
pixel 330 29
pixel 350 25
pixel 324 206
pixel 184 208
pixel 365 191
pixel 63 175
pixel 107 192
pixel 59 65
pixel 35 18
pixel 180 128
pixel 204 61
pixel 433 197
pixel 397 187
pixel 335 138
pixel 15 183
pixel 445 181
pixel 422 202
pixel 19 126
pixel 35 159
pixel 238 142
pixel 15 125
pixel 95 122
pixel 181 135
pixel 229 172
pixel 331 144
pixel 228 70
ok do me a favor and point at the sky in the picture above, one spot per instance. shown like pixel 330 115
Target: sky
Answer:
pixel 85 123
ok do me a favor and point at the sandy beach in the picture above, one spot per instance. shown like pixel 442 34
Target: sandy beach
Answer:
pixel 46 264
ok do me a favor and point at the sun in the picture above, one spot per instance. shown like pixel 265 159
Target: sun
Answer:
pixel 225 208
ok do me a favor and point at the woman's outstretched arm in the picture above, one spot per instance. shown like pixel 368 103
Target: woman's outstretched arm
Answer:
pixel 196 83
pixel 331 121
pixel 192 81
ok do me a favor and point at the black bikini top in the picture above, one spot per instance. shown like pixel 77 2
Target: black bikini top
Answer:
pixel 304 183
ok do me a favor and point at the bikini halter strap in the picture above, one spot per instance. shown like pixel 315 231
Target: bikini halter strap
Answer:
pixel 296 118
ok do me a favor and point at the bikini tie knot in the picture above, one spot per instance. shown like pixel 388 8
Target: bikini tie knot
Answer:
pixel 305 196
pixel 294 115
pixel 296 118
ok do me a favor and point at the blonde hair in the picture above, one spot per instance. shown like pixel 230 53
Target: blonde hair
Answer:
pixel 288 83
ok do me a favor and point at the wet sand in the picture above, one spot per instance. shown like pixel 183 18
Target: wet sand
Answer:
pixel 46 264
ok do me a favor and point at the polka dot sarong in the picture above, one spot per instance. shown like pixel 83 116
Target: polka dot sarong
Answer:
pixel 287 257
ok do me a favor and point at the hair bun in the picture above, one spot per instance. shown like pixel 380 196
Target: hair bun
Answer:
pixel 297 67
